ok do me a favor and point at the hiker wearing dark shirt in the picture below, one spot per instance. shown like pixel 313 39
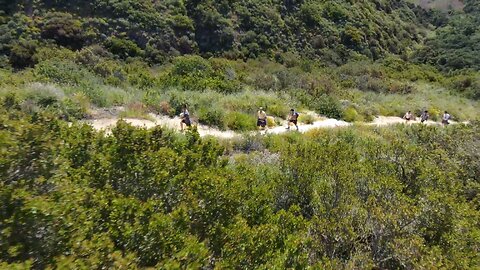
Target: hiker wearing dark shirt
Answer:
pixel 424 117
pixel 293 118
pixel 185 118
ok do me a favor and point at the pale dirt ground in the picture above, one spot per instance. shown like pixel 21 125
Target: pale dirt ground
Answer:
pixel 105 121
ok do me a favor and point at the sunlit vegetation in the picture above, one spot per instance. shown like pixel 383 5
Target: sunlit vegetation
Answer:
pixel 402 197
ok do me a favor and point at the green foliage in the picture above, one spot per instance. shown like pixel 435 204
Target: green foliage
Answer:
pixel 195 73
pixel 212 116
pixel 468 84
pixel 64 29
pixel 72 197
pixel 123 47
pixel 22 54
pixel 455 46
pixel 240 121
pixel 351 115
pixel 328 106
pixel 333 30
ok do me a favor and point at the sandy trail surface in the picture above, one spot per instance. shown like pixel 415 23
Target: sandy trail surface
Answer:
pixel 107 122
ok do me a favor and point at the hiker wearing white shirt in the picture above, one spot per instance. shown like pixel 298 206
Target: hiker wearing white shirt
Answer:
pixel 408 116
pixel 261 118
pixel 446 116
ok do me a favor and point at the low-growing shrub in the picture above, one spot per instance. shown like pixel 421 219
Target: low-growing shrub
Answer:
pixel 212 116
pixel 123 47
pixel 22 54
pixel 135 110
pixel 76 107
pixel 240 121
pixel 435 113
pixel 368 83
pixel 401 88
pixel 165 108
pixel 328 106
pixel 66 73
pixel 277 109
pixel 351 115
pixel 271 122
pixel 306 118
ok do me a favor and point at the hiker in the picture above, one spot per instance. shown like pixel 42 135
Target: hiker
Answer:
pixel 446 116
pixel 293 118
pixel 185 117
pixel 424 117
pixel 261 119
pixel 408 116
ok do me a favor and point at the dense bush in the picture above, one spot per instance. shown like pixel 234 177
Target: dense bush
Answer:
pixel 455 46
pixel 150 198
pixel 334 30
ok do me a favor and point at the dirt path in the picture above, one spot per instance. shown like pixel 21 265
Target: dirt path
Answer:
pixel 107 122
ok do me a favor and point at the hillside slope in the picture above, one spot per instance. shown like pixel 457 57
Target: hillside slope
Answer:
pixel 456 43
pixel 332 30
pixel 440 4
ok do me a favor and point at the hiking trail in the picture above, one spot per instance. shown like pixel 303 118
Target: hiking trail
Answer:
pixel 106 119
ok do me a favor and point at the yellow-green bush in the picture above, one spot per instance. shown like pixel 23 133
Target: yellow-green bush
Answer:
pixel 307 118
pixel 240 121
pixel 351 115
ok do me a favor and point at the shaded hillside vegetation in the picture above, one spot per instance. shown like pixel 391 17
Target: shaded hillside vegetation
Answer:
pixel 441 4
pixel 155 30
pixel 455 45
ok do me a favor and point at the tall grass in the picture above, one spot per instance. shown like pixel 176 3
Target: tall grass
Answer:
pixel 429 97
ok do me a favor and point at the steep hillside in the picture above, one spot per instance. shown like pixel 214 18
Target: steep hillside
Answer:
pixel 155 30
pixel 440 4
pixel 456 43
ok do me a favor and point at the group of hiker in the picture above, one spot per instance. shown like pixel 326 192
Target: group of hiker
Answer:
pixel 425 116
pixel 262 118
pixel 293 118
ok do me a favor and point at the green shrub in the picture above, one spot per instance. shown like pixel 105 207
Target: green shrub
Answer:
pixel 401 88
pixel 123 47
pixel 271 122
pixel 306 118
pixel 64 29
pixel 22 54
pixel 351 115
pixel 76 107
pixel 212 116
pixel 194 66
pixel 135 110
pixel 328 106
pixel 435 113
pixel 277 109
pixel 469 85
pixel 65 72
pixel 240 121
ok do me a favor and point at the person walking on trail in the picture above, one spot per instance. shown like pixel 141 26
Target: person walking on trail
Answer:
pixel 445 118
pixel 261 119
pixel 185 117
pixel 424 117
pixel 293 118
pixel 408 116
